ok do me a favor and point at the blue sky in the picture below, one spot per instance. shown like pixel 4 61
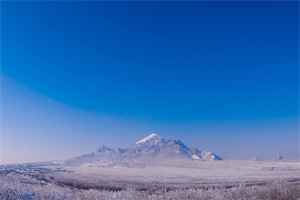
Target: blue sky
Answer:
pixel 221 76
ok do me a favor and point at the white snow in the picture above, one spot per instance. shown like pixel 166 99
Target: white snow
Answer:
pixel 147 138
pixel 194 173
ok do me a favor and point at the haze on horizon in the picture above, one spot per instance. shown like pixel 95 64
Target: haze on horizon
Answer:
pixel 220 76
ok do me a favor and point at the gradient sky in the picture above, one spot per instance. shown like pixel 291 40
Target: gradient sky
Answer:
pixel 220 76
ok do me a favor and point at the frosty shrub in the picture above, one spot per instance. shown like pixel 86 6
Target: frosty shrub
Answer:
pixel 11 188
pixel 30 189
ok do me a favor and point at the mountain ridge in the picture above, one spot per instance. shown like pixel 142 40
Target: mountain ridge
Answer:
pixel 152 147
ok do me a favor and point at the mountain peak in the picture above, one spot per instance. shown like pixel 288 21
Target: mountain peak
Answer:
pixel 152 148
pixel 149 137
pixel 278 157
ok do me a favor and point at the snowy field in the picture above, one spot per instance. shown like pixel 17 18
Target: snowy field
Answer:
pixel 227 179
pixel 225 173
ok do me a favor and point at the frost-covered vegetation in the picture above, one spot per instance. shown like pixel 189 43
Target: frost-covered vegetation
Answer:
pixel 25 187
pixel 194 180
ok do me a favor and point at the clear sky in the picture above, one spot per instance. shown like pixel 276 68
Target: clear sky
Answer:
pixel 220 76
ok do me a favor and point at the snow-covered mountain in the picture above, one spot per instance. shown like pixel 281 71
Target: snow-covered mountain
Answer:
pixel 278 157
pixel 151 148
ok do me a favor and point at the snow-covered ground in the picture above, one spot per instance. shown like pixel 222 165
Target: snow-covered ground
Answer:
pixel 195 174
pixel 22 187
pixel 180 179
pixel 227 179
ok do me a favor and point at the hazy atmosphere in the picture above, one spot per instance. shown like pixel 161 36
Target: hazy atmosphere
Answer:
pixel 219 76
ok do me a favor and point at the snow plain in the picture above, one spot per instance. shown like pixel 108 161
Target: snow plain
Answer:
pixel 218 180
pixel 226 173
